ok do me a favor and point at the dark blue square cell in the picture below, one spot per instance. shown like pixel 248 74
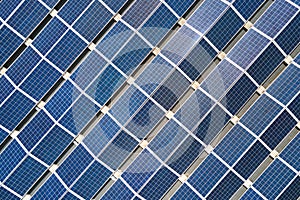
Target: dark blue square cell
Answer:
pixel 52 145
pixel 49 35
pixel 265 64
pixel 14 110
pixel 35 130
pixel 7 7
pixel 198 59
pixel 6 89
pixel 6 195
pixel 28 16
pixel 25 175
pixel 91 181
pixel 10 158
pixel 227 26
pixel 51 3
pixel 74 165
pixel 118 191
pixel 70 196
pixel 40 80
pixel 9 43
pixel 180 6
pixel 115 5
pixel 293 190
pixel 23 65
pixel 247 8
pixel 92 21
pixel 185 192
pixel 295 107
pixel 3 135
pixel 67 50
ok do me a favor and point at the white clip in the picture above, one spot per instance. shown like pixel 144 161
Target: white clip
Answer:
pixel 195 85
pixel 144 144
pixel 274 154
pixel 79 138
pixel 235 119
pixel 298 125
pixel 208 149
pixel 117 174
pixel 248 183
pixel 27 197
pixel 28 41
pixel 41 104
pixel 156 51
pixel 288 60
pixel 3 70
pixel 92 46
pixel 170 114
pixel 221 55
pixel 181 21
pixel 53 168
pixel 130 80
pixel 53 13
pixel 261 90
pixel 105 109
pixel 117 17
pixel 183 178
pixel 14 134
pixel 248 25
pixel 66 75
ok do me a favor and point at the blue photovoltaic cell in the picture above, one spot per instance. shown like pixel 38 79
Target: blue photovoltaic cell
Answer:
pixel 289 38
pixel 185 192
pixel 251 160
pixel 207 175
pixel 35 130
pixel 28 16
pixel 67 49
pixel 51 3
pixel 180 6
pixel 296 2
pixel 7 7
pixel 118 150
pixel 225 29
pixel 198 59
pixel 139 11
pixel 10 158
pixel 23 65
pixel 92 21
pixel 263 111
pixel 167 139
pixel 140 170
pixel 273 20
pixel 251 194
pixel 74 165
pixel 234 144
pixel 25 175
pixel 72 10
pixel 118 191
pixel 115 5
pixel 226 188
pixel 154 191
pixel 295 107
pixel 279 129
pixel 293 190
pixel 3 135
pixel 101 134
pixel 247 8
pixel 79 115
pixel 206 14
pixel 114 40
pixel 9 43
pixel 158 25
pixel 248 48
pixel 52 189
pixel 274 179
pixel 6 89
pixel 287 85
pixel 62 100
pixel 185 155
pixel 40 80
pixel 91 181
pixel 106 84
pixel 52 145
pixel 6 195
pixel 14 110
pixel 69 196
pixel 291 154
pixel 49 35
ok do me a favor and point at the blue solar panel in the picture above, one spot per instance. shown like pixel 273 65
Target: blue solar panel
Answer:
pixel 8 88
pixel 7 7
pixel 118 191
pixel 247 8
pixel 185 192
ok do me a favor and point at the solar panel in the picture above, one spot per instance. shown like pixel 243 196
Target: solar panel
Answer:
pixel 139 99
